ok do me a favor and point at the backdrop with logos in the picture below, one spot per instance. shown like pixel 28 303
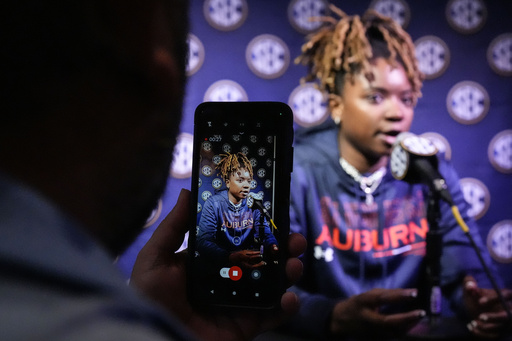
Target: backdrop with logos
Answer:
pixel 245 49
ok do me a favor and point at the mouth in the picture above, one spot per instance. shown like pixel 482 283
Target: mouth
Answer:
pixel 390 136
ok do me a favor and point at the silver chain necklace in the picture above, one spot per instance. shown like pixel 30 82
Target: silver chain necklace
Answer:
pixel 237 231
pixel 367 183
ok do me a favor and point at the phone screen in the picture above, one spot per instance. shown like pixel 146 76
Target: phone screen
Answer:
pixel 241 177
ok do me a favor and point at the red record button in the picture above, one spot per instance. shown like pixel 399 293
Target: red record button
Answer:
pixel 235 273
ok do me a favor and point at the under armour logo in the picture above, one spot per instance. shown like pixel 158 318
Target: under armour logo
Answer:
pixel 328 254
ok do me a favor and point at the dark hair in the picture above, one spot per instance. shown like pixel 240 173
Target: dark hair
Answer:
pixel 232 162
pixel 56 41
pixel 347 46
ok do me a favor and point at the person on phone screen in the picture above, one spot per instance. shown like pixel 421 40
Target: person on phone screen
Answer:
pixel 366 231
pixel 229 230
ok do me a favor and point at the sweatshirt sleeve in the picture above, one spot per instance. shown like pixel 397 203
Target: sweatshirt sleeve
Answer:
pixel 207 231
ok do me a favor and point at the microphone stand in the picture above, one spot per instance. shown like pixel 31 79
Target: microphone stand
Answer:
pixel 433 326
pixel 433 258
pixel 261 227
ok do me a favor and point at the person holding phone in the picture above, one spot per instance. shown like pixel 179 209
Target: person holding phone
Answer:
pixel 366 231
pixel 229 230
pixel 91 106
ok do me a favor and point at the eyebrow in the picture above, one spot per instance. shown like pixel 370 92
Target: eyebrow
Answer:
pixel 239 176
pixel 384 90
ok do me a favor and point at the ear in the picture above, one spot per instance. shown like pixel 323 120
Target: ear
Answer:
pixel 336 108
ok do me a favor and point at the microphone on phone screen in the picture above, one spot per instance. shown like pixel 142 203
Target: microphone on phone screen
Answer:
pixel 414 160
pixel 256 199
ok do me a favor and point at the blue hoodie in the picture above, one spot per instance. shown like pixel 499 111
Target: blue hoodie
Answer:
pixel 224 228
pixel 354 246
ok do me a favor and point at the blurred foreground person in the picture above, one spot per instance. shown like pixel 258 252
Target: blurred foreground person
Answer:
pixel 91 105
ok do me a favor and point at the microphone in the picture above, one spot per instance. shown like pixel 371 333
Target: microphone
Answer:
pixel 414 160
pixel 257 199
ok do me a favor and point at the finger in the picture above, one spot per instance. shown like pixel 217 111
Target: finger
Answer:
pixel 507 294
pixel 296 244
pixel 490 301
pixel 494 317
pixel 378 297
pixel 482 331
pixel 258 265
pixel 254 258
pixel 169 235
pixel 391 325
pixel 494 328
pixel 290 303
pixel 294 270
pixel 491 296
pixel 470 286
pixel 402 321
pixel 252 253
pixel 469 281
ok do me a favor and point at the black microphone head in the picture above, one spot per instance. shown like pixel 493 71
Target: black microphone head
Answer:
pixel 253 198
pixel 408 148
pixel 413 159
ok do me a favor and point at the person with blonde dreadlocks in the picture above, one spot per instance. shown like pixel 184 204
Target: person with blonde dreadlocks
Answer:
pixel 229 230
pixel 366 231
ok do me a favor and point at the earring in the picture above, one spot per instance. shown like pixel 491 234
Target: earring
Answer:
pixel 337 120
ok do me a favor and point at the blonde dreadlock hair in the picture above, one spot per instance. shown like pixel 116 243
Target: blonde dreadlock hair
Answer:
pixel 231 162
pixel 348 45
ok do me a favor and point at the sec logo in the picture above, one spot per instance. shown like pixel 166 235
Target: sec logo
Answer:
pixel 195 54
pixel 476 195
pixel 301 14
pixel 182 157
pixel 225 15
pixel 216 183
pixel 499 241
pixel 309 105
pixel 468 102
pixel 225 91
pixel 500 151
pixel 267 56
pixel 433 56
pixel 499 54
pixel 466 16
pixel 206 195
pixel 398 10
pixel 441 143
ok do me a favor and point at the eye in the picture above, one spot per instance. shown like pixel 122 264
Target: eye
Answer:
pixel 408 100
pixel 375 98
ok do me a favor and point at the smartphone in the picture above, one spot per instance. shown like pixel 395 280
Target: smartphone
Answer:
pixel 242 160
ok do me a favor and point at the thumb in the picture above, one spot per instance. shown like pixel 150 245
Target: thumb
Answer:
pixel 169 235
pixel 470 285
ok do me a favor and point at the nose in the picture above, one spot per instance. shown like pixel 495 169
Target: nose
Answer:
pixel 395 110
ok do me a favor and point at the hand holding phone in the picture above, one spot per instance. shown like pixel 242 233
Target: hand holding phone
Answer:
pixel 240 187
pixel 159 273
